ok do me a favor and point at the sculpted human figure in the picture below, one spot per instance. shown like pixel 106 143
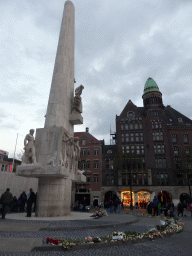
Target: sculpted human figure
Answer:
pixel 29 143
pixel 77 104
pixel 77 152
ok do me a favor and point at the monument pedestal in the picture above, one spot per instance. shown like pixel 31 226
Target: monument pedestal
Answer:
pixel 53 197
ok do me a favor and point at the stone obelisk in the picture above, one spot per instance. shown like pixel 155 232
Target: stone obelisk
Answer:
pixel 57 151
pixel 62 88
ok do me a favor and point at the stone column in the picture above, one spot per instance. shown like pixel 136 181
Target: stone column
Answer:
pixel 62 87
pixel 53 197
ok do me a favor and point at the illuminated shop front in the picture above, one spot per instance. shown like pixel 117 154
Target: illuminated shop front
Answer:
pixel 143 197
pixel 126 197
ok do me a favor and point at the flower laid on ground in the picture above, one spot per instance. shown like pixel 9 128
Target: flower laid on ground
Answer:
pixel 88 239
pixel 52 241
pixel 167 227
pixel 98 214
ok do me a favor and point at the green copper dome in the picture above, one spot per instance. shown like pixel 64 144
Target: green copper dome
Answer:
pixel 150 86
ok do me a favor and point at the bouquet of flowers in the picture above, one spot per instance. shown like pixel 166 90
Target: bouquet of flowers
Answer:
pixel 88 239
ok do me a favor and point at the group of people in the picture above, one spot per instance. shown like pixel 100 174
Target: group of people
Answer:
pixel 11 203
pixel 113 205
pixel 156 207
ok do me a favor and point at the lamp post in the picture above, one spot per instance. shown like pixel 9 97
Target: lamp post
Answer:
pixel 14 153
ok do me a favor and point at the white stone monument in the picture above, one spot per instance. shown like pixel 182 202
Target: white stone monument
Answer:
pixel 57 151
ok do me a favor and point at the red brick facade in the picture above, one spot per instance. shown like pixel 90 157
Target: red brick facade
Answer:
pixel 91 163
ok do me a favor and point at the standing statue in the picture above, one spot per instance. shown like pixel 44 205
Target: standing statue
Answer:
pixel 77 104
pixel 29 154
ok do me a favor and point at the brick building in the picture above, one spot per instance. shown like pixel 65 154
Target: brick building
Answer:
pixel 152 154
pixel 91 163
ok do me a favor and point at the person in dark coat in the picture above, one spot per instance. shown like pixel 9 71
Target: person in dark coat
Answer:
pixel 22 200
pixel 155 205
pixel 30 201
pixel 6 199
pixel 14 204
pixel 180 208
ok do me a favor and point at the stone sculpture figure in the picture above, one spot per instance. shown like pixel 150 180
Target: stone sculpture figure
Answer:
pixel 77 104
pixel 29 143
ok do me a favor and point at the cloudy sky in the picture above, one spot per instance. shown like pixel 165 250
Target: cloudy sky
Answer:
pixel 118 45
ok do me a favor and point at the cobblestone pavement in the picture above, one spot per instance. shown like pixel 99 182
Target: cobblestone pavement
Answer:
pixel 178 244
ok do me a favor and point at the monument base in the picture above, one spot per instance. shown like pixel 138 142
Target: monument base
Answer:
pixel 53 197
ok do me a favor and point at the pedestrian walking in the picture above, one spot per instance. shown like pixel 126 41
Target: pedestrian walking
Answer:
pixel 155 205
pixel 22 201
pixel 119 205
pixel 30 201
pixel 6 199
pixel 115 204
pixel 180 208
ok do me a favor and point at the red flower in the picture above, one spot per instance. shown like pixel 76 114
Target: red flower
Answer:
pixel 56 241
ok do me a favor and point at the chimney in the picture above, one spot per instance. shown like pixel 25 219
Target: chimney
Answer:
pixel 87 129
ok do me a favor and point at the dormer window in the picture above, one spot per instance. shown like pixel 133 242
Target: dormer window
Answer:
pixel 180 120
pixel 130 114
